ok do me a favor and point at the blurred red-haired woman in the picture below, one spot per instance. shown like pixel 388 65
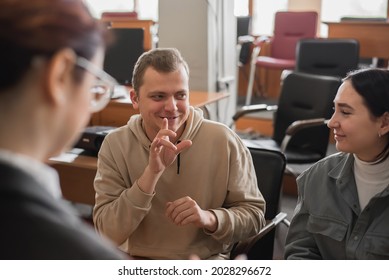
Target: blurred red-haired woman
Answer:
pixel 51 54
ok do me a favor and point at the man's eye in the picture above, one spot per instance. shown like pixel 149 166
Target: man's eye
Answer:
pixel 157 97
pixel 181 96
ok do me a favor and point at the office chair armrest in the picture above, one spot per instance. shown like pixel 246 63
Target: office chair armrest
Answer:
pixel 245 39
pixel 259 41
pixel 252 109
pixel 244 246
pixel 297 126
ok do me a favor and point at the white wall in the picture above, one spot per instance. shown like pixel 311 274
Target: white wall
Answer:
pixel 205 34
pixel 183 25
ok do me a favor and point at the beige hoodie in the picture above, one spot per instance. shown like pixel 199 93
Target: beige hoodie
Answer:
pixel 216 171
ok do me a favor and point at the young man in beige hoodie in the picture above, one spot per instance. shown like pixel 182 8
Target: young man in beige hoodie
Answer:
pixel 171 183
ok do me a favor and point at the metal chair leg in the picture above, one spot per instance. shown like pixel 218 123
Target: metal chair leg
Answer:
pixel 253 66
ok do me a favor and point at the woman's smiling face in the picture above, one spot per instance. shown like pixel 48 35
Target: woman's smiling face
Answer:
pixel 355 129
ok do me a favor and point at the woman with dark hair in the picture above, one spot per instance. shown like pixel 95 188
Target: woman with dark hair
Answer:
pixel 343 204
pixel 51 53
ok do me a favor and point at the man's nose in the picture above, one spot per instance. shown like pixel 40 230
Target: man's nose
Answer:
pixel 171 104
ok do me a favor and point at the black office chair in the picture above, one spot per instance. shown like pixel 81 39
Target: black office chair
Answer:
pixel 269 168
pixel 299 122
pixel 331 57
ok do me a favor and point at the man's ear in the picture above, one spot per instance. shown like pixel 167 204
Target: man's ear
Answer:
pixel 59 76
pixel 385 123
pixel 134 99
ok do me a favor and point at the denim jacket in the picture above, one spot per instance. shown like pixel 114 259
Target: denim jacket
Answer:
pixel 328 222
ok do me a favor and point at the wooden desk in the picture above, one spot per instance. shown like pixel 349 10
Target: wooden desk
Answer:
pixel 118 111
pixel 76 174
pixel 77 170
pixel 373 37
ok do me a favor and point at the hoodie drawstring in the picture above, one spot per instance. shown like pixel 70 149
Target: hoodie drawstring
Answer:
pixel 178 160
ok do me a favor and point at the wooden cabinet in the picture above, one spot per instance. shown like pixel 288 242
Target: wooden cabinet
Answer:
pixel 373 37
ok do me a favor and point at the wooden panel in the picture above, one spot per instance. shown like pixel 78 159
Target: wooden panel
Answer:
pixel 373 37
pixel 262 126
pixel 116 114
pixel 273 83
pixel 76 183
pixel 203 98
pixel 76 174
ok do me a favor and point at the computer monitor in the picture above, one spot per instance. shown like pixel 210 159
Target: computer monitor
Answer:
pixel 243 29
pixel 121 56
pixel 243 25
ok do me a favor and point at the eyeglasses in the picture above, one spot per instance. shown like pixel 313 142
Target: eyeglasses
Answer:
pixel 103 88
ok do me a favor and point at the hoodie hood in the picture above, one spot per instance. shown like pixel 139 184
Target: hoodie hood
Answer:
pixel 192 126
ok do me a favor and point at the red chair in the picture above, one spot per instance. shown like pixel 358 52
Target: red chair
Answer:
pixel 289 28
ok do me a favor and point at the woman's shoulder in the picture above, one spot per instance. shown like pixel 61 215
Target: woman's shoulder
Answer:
pixel 326 164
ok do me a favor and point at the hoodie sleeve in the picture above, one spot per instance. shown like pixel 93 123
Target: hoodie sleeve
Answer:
pixel 119 208
pixel 242 214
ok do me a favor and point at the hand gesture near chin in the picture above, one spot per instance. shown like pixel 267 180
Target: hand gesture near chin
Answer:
pixel 162 151
pixel 162 154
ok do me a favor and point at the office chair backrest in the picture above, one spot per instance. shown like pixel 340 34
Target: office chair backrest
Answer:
pixel 289 27
pixel 269 168
pixel 306 96
pixel 332 57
